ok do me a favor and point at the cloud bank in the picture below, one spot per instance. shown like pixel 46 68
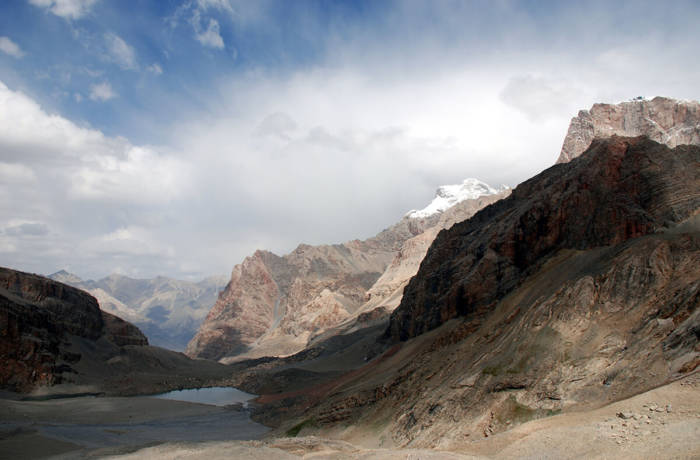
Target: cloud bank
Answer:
pixel 325 127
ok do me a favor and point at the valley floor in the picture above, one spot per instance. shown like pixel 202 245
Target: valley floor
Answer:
pixel 93 427
pixel 661 423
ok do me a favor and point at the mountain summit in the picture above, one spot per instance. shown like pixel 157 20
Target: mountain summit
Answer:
pixel 664 120
pixel 447 196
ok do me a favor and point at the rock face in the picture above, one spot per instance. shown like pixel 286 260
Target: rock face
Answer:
pixel 623 188
pixel 274 306
pixel 579 289
pixel 37 315
pixel 168 311
pixel 282 300
pixel 667 121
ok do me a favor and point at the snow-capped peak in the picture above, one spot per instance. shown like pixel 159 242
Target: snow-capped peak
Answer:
pixel 447 196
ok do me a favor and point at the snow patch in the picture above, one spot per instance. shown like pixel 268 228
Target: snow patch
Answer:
pixel 447 196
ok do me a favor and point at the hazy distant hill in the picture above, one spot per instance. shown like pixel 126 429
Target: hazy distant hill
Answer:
pixel 168 311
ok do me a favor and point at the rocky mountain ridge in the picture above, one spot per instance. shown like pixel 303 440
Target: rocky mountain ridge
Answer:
pixel 167 310
pixel 37 316
pixel 275 306
pixel 668 121
pixel 579 289
pixel 619 191
pixel 55 340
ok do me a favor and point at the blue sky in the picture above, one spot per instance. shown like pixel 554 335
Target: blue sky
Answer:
pixel 175 137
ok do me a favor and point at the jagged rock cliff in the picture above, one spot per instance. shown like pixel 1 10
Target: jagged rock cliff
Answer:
pixel 624 188
pixel 275 305
pixel 581 288
pixel 37 315
pixel 282 300
pixel 663 120
pixel 54 339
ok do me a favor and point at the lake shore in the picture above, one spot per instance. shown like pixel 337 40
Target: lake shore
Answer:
pixel 107 425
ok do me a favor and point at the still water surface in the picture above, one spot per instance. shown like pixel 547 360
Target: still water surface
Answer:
pixel 215 396
pixel 218 425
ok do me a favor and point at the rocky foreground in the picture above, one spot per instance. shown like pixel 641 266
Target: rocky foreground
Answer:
pixel 664 422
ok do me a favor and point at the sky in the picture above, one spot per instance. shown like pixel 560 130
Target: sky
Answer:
pixel 176 137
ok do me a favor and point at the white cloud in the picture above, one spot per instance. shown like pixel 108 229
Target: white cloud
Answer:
pixel 138 174
pixel 102 92
pixel 30 229
pixel 223 5
pixel 326 152
pixel 155 68
pixel 210 36
pixel 120 52
pixel 11 48
pixel 207 29
pixel 541 98
pixel 24 124
pixel 69 9
pixel 16 173
pixel 67 189
pixel 128 241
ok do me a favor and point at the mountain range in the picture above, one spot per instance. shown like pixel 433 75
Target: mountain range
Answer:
pixel 167 310
pixel 576 289
pixel 486 310
pixel 278 305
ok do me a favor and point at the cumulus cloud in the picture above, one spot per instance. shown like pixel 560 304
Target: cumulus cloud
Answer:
pixel 541 98
pixel 69 9
pixel 128 241
pixel 68 190
pixel 11 48
pixel 210 35
pixel 120 52
pixel 138 174
pixel 155 68
pixel 207 29
pixel 339 146
pixel 102 92
pixel 16 173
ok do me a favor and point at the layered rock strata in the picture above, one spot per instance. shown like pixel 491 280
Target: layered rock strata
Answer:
pixel 623 188
pixel 667 121
pixel 37 318
pixel 276 306
pixel 581 288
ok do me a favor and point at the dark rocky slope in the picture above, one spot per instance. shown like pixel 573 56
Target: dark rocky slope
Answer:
pixel 52 334
pixel 622 188
pixel 580 289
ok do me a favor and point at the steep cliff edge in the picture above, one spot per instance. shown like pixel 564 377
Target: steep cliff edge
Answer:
pixel 37 316
pixel 667 121
pixel 277 306
pixel 623 188
pixel 281 300
pixel 580 289
pixel 55 339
